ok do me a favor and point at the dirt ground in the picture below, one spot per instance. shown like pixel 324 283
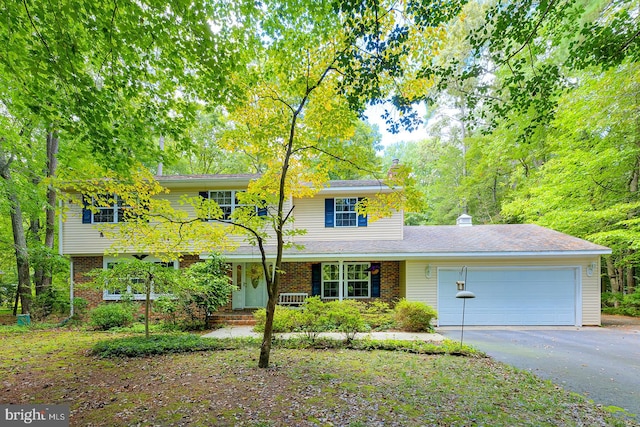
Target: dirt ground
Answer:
pixel 615 321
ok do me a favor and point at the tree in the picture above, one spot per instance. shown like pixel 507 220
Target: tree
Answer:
pixel 316 68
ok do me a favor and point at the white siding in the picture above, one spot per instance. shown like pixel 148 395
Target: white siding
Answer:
pixel 85 239
pixel 309 216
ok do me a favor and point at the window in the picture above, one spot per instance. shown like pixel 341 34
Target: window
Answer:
pixel 346 215
pixel 108 209
pixel 136 286
pixel 342 212
pixel 356 280
pixel 228 202
pixel 330 280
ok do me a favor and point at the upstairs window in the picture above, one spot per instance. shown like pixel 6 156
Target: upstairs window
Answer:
pixel 342 212
pixel 228 202
pixel 110 209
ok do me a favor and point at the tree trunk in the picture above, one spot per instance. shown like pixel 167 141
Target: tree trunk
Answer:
pixel 19 237
pixel 50 213
pixel 631 280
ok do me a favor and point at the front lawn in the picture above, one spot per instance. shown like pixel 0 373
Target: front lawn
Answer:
pixel 332 387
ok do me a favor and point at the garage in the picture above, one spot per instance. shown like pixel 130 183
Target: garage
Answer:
pixel 510 296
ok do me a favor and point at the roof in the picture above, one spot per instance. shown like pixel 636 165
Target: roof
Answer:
pixel 507 240
pixel 236 179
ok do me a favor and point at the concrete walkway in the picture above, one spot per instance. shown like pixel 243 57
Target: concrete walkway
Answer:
pixel 247 331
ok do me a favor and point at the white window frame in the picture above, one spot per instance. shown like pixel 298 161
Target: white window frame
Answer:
pixel 345 278
pixel 349 215
pixel 107 295
pixel 117 208
pixel 231 206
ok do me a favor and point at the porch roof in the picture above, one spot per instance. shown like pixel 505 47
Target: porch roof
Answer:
pixel 508 240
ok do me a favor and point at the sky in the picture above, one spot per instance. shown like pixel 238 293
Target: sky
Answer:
pixel 374 114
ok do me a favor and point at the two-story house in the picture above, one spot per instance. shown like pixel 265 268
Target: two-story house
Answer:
pixel 520 274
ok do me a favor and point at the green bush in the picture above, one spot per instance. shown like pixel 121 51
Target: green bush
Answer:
pixel 139 346
pixel 313 317
pixel 621 304
pixel 414 316
pixel 107 316
pixel 346 316
pixel 50 302
pixel 285 319
pixel 378 315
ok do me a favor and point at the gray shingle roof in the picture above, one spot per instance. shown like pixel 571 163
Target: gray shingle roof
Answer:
pixel 449 241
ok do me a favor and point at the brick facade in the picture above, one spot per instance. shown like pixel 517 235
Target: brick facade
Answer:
pixel 297 278
pixel 81 266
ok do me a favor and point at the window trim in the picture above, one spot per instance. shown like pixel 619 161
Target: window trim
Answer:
pixel 351 212
pixel 117 208
pixel 108 296
pixel 343 280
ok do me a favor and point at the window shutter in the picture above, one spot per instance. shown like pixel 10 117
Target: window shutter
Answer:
pixel 316 279
pixel 375 281
pixel 86 212
pixel 262 209
pixel 204 195
pixel 362 219
pixel 329 209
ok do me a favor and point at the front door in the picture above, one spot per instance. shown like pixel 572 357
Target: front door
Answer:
pixel 251 286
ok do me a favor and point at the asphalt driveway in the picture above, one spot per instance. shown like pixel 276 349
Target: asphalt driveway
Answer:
pixel 601 363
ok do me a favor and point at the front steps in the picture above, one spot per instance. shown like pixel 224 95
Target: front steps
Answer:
pixel 234 318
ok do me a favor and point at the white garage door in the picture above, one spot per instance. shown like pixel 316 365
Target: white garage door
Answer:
pixel 509 296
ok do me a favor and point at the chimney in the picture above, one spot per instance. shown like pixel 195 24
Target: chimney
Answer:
pixel 394 166
pixel 161 148
pixel 464 220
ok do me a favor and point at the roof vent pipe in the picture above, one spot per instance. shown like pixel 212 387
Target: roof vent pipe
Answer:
pixel 161 143
pixel 464 220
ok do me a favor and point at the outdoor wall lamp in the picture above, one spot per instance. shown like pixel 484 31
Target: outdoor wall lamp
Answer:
pixel 427 271
pixel 591 268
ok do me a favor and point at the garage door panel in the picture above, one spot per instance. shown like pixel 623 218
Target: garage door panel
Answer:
pixel 509 297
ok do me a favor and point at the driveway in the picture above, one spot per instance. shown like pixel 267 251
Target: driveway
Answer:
pixel 601 363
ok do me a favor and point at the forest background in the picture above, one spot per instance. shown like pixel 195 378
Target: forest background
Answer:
pixel 532 109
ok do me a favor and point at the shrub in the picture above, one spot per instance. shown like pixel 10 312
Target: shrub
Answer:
pixel 414 316
pixel 346 316
pixel 314 317
pixel 50 302
pixel 284 320
pixel 107 316
pixel 378 315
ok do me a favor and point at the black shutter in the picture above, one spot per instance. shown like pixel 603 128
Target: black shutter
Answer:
pixel 316 279
pixel 262 209
pixel 204 195
pixel 329 209
pixel 375 279
pixel 362 219
pixel 86 212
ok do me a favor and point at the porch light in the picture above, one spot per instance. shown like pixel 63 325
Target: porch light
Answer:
pixel 591 268
pixel 427 271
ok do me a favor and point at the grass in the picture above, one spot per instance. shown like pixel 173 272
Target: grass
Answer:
pixel 304 387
